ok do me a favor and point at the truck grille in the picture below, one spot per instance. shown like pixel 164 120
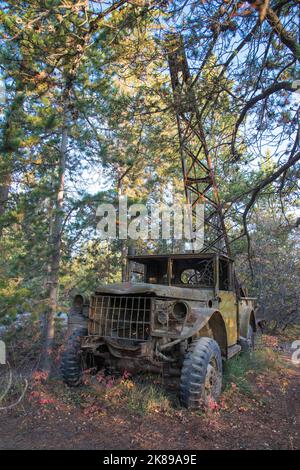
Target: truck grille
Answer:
pixel 120 317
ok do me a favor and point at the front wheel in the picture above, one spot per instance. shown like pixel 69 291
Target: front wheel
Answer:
pixel 201 375
pixel 72 361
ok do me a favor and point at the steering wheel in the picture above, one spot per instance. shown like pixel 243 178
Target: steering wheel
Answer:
pixel 202 274
pixel 194 278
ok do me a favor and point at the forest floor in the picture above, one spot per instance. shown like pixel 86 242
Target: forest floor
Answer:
pixel 259 409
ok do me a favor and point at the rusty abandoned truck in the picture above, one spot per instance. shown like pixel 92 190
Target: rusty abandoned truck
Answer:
pixel 180 314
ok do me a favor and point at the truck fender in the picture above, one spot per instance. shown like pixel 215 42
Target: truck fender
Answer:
pixel 247 316
pixel 198 318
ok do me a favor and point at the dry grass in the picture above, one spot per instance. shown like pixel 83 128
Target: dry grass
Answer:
pixel 241 369
pixel 246 374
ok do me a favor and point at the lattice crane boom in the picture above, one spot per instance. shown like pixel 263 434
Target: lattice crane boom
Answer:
pixel 197 167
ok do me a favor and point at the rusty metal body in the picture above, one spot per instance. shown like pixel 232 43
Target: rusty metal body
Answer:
pixel 149 325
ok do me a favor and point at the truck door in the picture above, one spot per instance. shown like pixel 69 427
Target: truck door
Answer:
pixel 228 302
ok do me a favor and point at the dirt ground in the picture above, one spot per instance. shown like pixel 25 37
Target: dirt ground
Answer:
pixel 109 413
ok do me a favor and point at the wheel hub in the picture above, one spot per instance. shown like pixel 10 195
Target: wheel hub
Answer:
pixel 212 381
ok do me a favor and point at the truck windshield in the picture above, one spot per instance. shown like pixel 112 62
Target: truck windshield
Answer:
pixel 152 272
pixel 193 272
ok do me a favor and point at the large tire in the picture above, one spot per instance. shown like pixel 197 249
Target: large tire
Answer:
pixel 72 363
pixel 201 375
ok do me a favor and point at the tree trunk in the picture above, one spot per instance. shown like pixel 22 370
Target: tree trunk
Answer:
pixel 55 254
pixel 4 193
pixel 8 149
pixel 123 258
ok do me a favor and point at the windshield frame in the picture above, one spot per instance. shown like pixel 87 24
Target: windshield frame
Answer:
pixel 168 262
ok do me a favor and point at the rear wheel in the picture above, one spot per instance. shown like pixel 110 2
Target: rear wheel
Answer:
pixel 73 361
pixel 201 375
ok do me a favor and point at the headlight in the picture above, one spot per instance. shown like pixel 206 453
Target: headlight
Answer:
pixel 162 317
pixel 180 311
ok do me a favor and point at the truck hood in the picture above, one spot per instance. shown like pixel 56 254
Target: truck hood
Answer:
pixel 159 290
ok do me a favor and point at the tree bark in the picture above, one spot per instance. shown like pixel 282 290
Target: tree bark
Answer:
pixel 285 36
pixel 4 193
pixel 8 148
pixel 56 238
pixel 268 13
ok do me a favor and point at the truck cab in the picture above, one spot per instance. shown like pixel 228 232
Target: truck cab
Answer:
pixel 169 306
pixel 209 278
